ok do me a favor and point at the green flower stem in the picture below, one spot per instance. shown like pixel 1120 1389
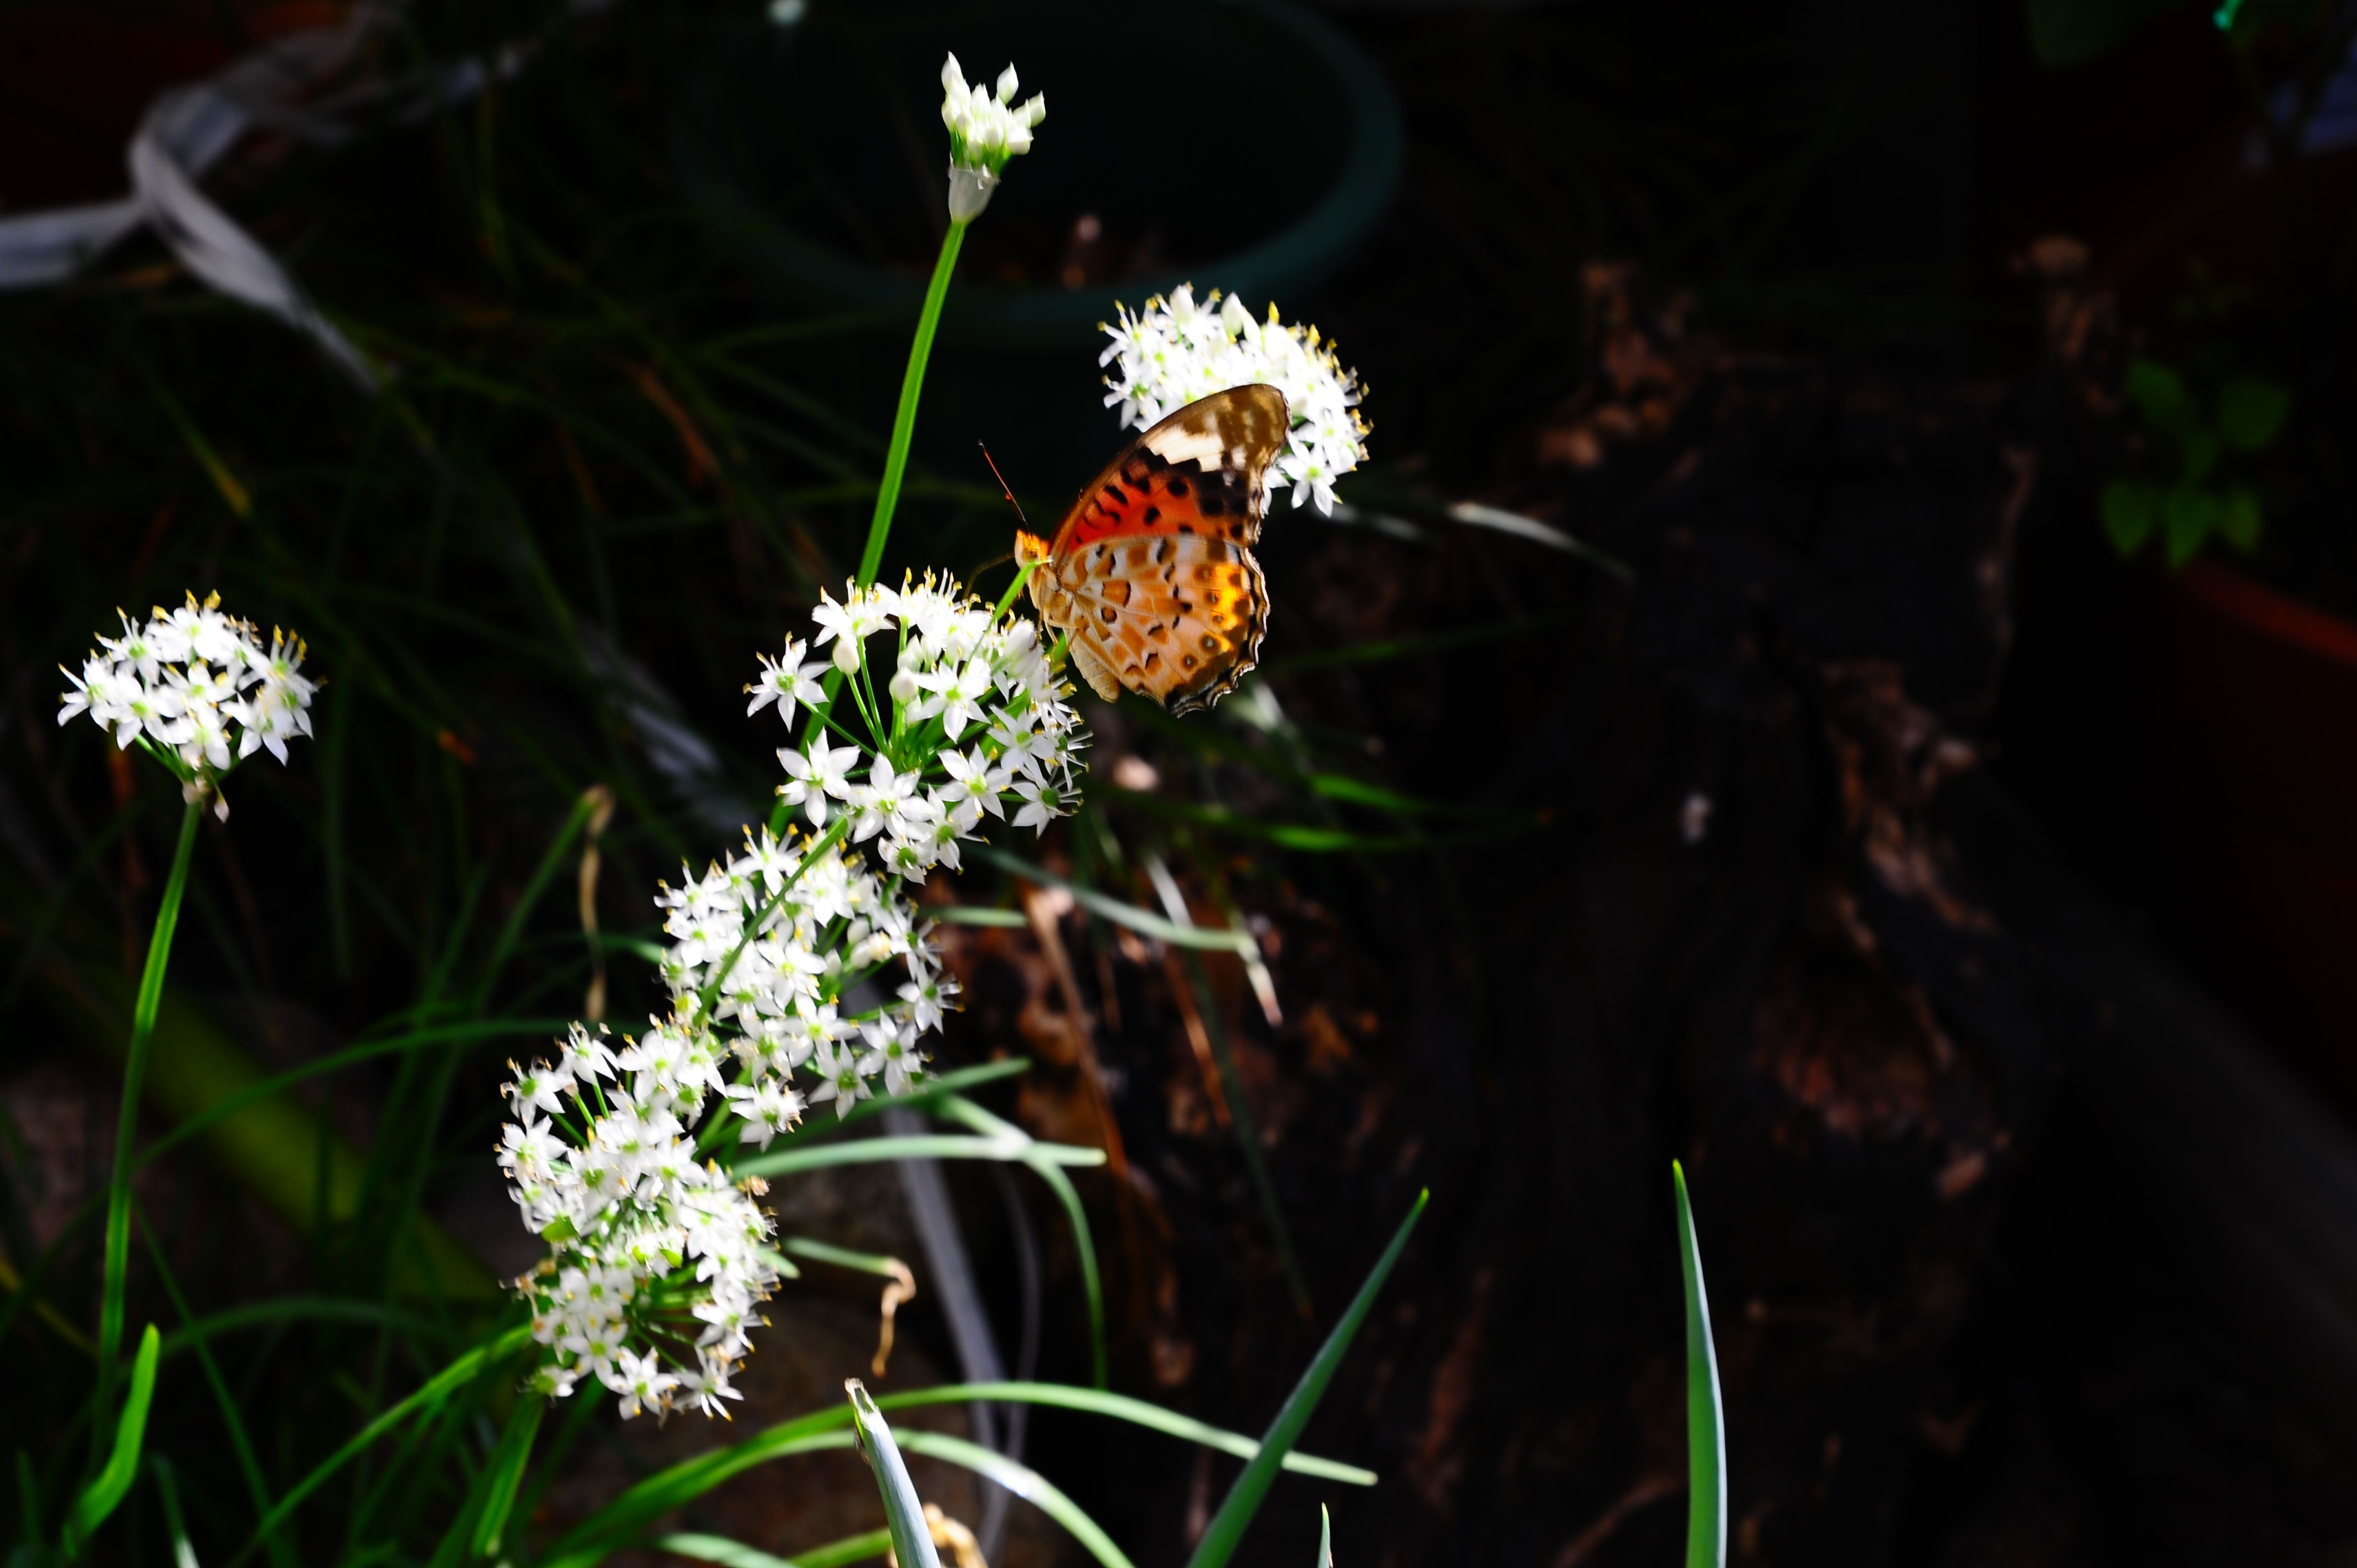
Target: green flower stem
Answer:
pixel 135 1070
pixel 904 422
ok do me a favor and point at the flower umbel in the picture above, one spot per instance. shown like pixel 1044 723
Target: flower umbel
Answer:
pixel 1176 351
pixel 197 688
pixel 797 957
pixel 987 129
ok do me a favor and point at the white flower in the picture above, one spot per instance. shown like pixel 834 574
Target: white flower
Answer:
pixel 195 682
pixel 987 129
pixel 540 1086
pixel 641 1382
pixel 1042 804
pixel 651 1247
pixel 811 779
pixel 961 691
pixel 1175 351
pixel 786 680
pixel 769 1108
pixel 877 803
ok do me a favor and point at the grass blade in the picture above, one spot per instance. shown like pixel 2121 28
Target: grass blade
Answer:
pixel 730 1554
pixel 1243 1500
pixel 1706 1421
pixel 106 1491
pixel 958 1108
pixel 455 1376
pixel 1325 1538
pixel 183 1555
pixel 613 1526
pixel 506 1472
pixel 915 1146
pixel 1025 1483
pixel 904 1511
pixel 1121 1407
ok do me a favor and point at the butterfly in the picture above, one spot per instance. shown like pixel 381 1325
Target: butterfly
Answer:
pixel 1151 576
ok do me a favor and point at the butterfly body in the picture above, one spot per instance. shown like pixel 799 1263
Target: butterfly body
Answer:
pixel 1151 576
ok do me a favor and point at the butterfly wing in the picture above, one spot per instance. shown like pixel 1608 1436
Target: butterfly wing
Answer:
pixel 1151 573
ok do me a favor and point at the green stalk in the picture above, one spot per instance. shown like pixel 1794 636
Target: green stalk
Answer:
pixel 135 1069
pixel 904 422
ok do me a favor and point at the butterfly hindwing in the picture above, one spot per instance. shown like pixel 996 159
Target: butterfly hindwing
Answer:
pixel 1151 573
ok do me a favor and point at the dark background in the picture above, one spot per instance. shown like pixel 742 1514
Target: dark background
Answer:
pixel 1851 847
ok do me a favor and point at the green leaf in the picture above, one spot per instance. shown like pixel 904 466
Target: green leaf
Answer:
pixel 2188 518
pixel 183 1555
pixel 1705 1420
pixel 505 1473
pixel 958 1108
pixel 104 1493
pixel 2065 32
pixel 1121 1407
pixel 914 1146
pixel 435 1392
pixel 612 1526
pixel 2162 399
pixel 1325 1538
pixel 2250 411
pixel 2242 521
pixel 1243 1500
pixel 730 1554
pixel 2131 511
pixel 1025 1483
pixel 904 1511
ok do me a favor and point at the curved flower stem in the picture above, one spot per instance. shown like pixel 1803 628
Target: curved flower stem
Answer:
pixel 904 422
pixel 135 1070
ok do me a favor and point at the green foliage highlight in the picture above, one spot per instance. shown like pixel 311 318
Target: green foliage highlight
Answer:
pixel 2197 504
pixel 904 1511
pixel 1706 1421
pixel 1227 1527
pixel 107 1489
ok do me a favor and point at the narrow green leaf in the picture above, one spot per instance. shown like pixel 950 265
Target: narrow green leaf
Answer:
pixel 428 1397
pixel 1121 1407
pixel 914 1146
pixel 612 1527
pixel 1025 1483
pixel 958 1108
pixel 969 915
pixel 1243 1500
pixel 1325 1538
pixel 2250 411
pixel 106 1491
pixel 904 1511
pixel 730 1554
pixel 1113 909
pixel 1705 1420
pixel 183 1555
pixel 28 1501
pixel 505 1472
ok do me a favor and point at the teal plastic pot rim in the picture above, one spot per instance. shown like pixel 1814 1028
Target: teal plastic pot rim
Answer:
pixel 1040 320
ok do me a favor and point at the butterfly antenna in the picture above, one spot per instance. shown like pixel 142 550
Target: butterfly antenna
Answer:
pixel 1003 484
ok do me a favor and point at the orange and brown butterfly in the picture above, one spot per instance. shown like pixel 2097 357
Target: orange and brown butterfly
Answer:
pixel 1151 574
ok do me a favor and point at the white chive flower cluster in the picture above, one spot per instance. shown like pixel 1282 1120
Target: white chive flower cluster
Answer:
pixel 987 128
pixel 799 973
pixel 197 688
pixel 1173 352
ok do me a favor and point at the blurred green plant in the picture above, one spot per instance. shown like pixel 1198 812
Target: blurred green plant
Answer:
pixel 2195 502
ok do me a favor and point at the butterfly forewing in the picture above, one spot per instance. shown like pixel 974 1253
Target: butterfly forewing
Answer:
pixel 1152 573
